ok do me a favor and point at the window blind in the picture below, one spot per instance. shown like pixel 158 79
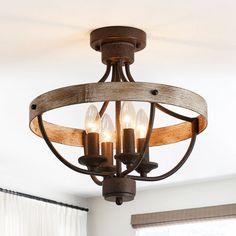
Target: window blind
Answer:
pixel 180 216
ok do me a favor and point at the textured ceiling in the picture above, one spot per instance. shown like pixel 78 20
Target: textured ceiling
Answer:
pixel 45 45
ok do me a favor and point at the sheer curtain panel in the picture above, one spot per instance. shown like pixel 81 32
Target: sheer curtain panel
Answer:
pixel 25 217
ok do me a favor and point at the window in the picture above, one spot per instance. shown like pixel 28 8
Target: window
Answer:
pixel 223 227
pixel 205 221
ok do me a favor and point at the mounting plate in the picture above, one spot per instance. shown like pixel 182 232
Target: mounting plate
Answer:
pixel 118 34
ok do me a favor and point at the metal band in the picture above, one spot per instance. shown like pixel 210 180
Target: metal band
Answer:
pixel 120 72
pixel 60 157
pixel 110 91
pixel 96 180
pixel 107 72
pixel 128 74
pixel 174 114
pixel 194 124
pixel 118 125
pixel 103 108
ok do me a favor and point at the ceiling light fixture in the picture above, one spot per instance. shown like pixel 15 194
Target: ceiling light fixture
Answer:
pixel 133 134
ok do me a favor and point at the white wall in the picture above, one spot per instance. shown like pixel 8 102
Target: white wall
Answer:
pixel 106 219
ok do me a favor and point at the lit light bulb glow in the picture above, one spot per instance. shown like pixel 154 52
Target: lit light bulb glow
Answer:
pixel 141 124
pixel 127 117
pixel 91 127
pixel 107 137
pixel 92 120
pixel 107 129
pixel 141 130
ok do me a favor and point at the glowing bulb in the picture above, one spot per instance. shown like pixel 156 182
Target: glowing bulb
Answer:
pixel 127 116
pixel 107 129
pixel 141 124
pixel 92 120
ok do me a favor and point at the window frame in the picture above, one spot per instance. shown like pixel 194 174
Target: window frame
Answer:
pixel 183 215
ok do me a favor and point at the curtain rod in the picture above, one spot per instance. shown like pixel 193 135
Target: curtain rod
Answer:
pixel 42 199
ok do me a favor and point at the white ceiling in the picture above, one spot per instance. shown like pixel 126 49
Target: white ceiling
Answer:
pixel 45 45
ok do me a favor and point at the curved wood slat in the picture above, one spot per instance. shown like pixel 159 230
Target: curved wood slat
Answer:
pixel 160 136
pixel 110 91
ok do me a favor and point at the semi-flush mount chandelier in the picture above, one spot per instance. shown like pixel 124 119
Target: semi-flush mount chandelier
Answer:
pixel 113 153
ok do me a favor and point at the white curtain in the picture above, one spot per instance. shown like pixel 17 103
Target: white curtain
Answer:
pixel 21 216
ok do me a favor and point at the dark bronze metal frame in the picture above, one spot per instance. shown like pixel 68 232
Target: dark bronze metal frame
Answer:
pixel 118 45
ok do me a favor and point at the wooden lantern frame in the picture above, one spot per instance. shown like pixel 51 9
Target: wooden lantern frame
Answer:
pixel 118 45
